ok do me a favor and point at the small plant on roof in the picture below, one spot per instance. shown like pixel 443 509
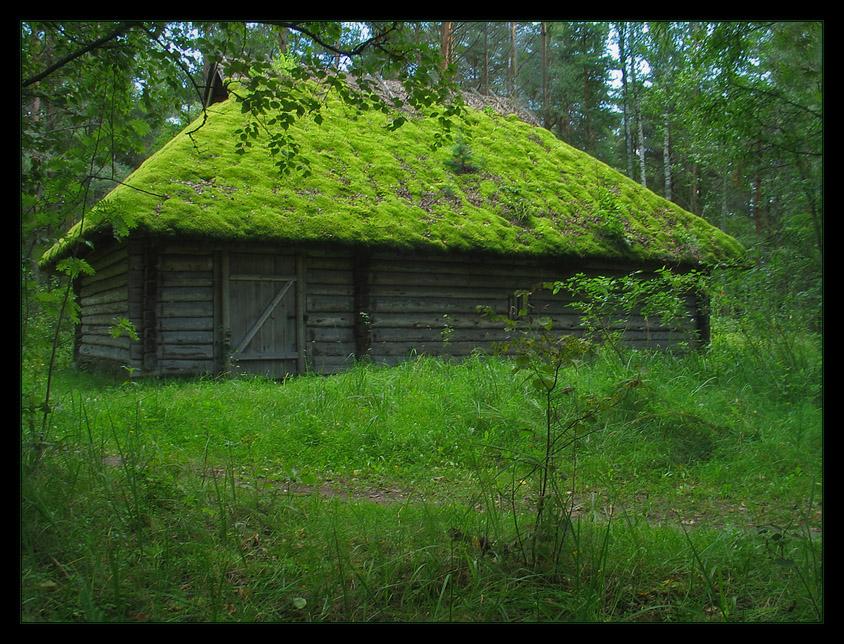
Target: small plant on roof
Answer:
pixel 516 203
pixel 462 160
pixel 610 211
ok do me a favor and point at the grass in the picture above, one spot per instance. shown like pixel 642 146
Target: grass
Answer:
pixel 382 494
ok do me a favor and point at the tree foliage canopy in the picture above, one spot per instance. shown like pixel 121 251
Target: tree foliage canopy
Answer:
pixel 723 118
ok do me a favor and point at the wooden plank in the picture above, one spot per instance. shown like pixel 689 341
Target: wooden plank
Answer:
pixel 107 352
pixel 330 334
pixel 103 297
pixel 203 262
pixel 329 304
pixel 105 339
pixel 333 349
pixel 408 349
pixel 105 320
pixel 187 337
pixel 179 309
pixel 187 278
pixel 416 291
pixel 225 293
pixel 186 294
pixel 187 351
pixel 479 336
pixel 93 288
pixel 268 309
pixel 257 277
pixel 181 367
pixel 327 320
pixel 301 305
pixel 432 320
pixel 340 276
pixel 267 355
pixel 185 324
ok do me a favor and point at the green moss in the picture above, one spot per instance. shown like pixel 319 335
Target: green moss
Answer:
pixel 527 194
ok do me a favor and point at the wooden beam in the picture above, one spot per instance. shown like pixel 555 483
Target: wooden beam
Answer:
pixel 268 309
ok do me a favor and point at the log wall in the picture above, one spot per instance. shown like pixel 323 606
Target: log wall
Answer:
pixel 385 307
pixel 103 297
pixel 186 315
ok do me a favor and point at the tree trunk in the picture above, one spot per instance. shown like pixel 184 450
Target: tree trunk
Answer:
pixel 283 35
pixel 587 111
pixel 805 173
pixel 695 188
pixel 511 69
pixel 666 155
pixel 447 45
pixel 643 179
pixel 485 77
pixel 759 211
pixel 628 135
pixel 545 120
pixel 638 116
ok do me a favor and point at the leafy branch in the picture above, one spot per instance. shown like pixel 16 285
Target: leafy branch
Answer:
pixel 84 49
pixel 548 358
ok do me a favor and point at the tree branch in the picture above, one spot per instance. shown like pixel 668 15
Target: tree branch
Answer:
pixel 376 40
pixel 100 42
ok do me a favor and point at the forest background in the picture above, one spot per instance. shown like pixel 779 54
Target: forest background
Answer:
pixel 723 118
pixel 125 515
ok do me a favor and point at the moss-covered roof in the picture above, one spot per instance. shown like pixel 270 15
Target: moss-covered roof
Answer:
pixel 526 194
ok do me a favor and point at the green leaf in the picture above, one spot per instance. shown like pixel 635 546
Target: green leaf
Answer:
pixel 74 267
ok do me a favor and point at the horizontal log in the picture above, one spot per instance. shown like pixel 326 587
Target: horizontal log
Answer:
pixel 87 299
pixel 106 320
pixel 329 304
pixel 186 351
pixel 257 277
pixel 193 293
pixel 104 339
pixel 181 278
pixel 104 352
pixel 186 310
pixel 326 320
pixel 508 283
pixel 179 367
pixel 466 305
pixel 186 324
pixel 186 263
pixel 92 287
pixel 321 349
pixel 481 336
pixel 269 355
pixel 92 331
pixel 430 348
pixel 114 309
pixel 457 321
pixel 330 334
pixel 106 256
pixel 187 337
pixel 341 275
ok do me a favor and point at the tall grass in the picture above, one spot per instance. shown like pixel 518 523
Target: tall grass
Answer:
pixel 381 494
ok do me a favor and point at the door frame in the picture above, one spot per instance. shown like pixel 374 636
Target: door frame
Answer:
pixel 297 282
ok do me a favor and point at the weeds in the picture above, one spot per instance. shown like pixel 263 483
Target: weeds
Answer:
pixel 380 495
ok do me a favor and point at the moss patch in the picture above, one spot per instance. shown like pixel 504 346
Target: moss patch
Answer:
pixel 528 194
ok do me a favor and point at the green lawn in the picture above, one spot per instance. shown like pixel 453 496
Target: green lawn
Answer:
pixel 411 494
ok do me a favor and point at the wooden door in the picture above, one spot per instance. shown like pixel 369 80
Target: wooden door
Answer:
pixel 263 313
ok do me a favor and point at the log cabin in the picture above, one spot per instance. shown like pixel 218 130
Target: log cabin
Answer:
pixel 381 247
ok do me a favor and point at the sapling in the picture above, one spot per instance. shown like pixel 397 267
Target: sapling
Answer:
pixel 549 359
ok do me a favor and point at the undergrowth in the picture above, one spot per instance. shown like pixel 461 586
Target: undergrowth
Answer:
pixel 387 494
